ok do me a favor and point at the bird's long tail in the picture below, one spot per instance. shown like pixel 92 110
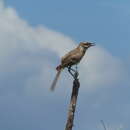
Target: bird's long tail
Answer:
pixel 59 69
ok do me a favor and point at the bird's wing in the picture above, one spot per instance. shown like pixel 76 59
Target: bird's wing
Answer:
pixel 72 57
pixel 68 54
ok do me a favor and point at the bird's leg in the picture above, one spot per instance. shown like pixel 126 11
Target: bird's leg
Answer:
pixel 75 75
pixel 72 69
pixel 69 70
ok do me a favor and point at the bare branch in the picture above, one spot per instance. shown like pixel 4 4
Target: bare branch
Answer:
pixel 72 105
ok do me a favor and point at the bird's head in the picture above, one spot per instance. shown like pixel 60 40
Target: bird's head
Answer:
pixel 86 45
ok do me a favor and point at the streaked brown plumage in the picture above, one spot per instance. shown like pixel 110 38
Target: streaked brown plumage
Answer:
pixel 71 58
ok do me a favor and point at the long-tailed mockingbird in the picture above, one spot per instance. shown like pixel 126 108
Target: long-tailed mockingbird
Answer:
pixel 70 59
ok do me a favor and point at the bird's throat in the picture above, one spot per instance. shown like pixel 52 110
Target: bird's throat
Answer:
pixel 82 49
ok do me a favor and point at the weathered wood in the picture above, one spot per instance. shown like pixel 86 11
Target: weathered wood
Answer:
pixel 72 105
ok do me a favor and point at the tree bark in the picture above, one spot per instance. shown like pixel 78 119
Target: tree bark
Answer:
pixel 72 105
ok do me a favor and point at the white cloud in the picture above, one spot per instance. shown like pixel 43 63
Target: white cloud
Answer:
pixel 29 51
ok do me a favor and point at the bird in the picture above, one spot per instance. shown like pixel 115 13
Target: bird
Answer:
pixel 71 58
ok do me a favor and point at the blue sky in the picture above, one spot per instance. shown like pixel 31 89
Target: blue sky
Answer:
pixel 105 22
pixel 33 37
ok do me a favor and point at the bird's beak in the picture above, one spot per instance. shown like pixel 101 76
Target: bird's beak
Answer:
pixel 92 44
pixel 88 44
